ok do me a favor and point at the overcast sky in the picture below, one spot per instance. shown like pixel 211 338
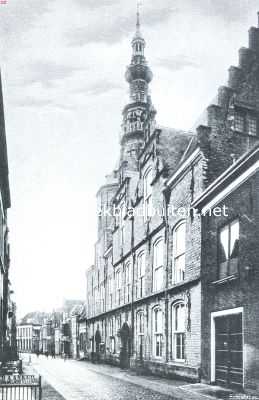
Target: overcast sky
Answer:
pixel 63 64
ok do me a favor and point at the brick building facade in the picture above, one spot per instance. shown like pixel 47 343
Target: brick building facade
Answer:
pixel 7 308
pixel 148 300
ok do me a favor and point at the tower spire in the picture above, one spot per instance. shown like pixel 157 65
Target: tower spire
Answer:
pixel 139 113
pixel 138 16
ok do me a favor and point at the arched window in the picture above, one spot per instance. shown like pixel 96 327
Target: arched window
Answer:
pixel 141 266
pixel 158 263
pixel 118 286
pixel 178 329
pixel 117 329
pixel 112 335
pixel 179 252
pixel 148 194
pixel 122 223
pixel 127 282
pixel 140 334
pixel 157 332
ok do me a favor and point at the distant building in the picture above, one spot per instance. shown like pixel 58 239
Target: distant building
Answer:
pixel 47 337
pixel 57 340
pixel 28 338
pixel 75 315
pixel 173 291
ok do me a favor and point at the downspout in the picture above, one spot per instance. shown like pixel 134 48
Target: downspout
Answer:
pixel 132 287
pixel 166 196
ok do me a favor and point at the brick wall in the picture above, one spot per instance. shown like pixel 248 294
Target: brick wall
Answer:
pixel 241 292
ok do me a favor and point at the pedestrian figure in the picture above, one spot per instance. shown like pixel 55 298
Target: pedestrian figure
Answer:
pixel 47 354
pixel 53 354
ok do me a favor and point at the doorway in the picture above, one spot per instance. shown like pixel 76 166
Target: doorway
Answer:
pixel 227 348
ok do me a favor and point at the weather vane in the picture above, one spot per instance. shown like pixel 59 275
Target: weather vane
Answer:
pixel 139 4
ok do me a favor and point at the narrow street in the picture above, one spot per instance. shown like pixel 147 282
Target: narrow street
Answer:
pixel 76 380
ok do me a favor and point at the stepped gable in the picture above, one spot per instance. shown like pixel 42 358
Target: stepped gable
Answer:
pixel 169 148
pixel 230 126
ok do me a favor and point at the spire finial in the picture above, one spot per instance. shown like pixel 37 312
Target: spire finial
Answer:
pixel 138 16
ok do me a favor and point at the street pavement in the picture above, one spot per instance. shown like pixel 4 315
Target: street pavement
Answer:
pixel 76 380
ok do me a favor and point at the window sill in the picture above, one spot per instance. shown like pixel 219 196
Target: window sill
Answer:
pixel 244 133
pixel 177 362
pixel 157 359
pixel 222 281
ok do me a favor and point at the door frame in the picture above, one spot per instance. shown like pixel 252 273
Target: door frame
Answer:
pixel 215 314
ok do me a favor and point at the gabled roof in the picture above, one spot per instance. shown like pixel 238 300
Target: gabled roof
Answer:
pixel 232 178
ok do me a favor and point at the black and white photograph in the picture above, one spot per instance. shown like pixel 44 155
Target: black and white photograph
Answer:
pixel 129 200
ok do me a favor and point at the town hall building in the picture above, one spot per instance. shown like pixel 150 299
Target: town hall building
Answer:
pixel 174 286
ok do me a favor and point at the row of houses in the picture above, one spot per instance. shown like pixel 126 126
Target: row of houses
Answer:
pixel 174 289
pixel 53 334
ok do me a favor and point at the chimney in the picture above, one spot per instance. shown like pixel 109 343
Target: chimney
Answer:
pixel 234 77
pixel 246 57
pixel 254 39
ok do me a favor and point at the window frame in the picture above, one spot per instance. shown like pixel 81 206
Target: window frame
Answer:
pixel 122 223
pixel 176 256
pixel 156 268
pixel 127 272
pixel 141 265
pixel 147 194
pixel 158 336
pixel 246 116
pixel 140 332
pixel 178 333
pixel 118 284
pixel 220 229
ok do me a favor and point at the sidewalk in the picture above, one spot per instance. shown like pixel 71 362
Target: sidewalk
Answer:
pixel 48 392
pixel 176 388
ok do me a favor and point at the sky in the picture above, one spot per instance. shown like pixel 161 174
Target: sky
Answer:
pixel 63 65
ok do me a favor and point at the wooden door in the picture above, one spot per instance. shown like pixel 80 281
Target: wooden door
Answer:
pixel 229 351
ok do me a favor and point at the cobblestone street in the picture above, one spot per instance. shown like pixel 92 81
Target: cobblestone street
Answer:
pixel 76 381
pixel 82 380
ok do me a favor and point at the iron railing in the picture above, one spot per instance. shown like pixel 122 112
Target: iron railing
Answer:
pixel 20 387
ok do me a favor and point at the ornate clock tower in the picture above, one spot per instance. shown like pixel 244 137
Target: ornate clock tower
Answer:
pixel 139 113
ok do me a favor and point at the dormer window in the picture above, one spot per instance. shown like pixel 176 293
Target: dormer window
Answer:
pixel 245 122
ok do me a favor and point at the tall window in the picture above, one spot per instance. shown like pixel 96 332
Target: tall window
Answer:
pixel 148 194
pixel 157 333
pixel 239 122
pixel 251 125
pixel 111 334
pixel 140 334
pixel 110 290
pixel 179 312
pixel 158 262
pixel 140 275
pixel 179 252
pixel 102 297
pixel 228 249
pixel 127 282
pixel 118 327
pixel 118 286
pixel 122 224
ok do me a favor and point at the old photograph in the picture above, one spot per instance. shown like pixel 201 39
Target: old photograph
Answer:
pixel 129 199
